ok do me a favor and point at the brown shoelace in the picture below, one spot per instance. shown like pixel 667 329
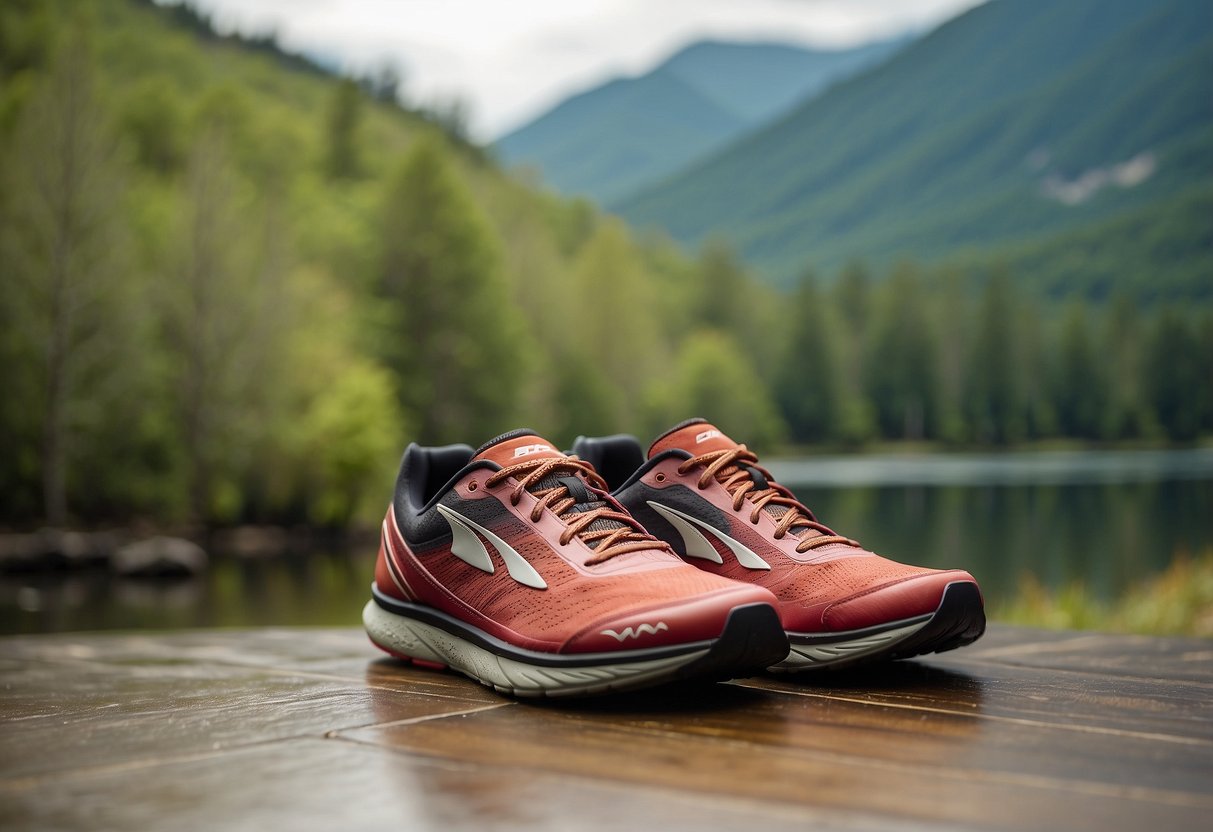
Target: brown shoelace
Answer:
pixel 628 536
pixel 730 469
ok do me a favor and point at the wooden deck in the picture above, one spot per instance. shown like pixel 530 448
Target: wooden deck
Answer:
pixel 311 729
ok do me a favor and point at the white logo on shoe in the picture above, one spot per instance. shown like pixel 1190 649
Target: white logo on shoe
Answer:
pixel 470 549
pixel 706 435
pixel 527 450
pixel 629 632
pixel 698 546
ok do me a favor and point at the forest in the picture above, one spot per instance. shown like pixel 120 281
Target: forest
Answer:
pixel 236 286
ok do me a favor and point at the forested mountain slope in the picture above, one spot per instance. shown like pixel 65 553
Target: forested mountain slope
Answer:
pixel 1017 120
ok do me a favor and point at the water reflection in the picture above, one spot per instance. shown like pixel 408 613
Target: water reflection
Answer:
pixel 313 590
pixel 1109 520
pixel 1106 535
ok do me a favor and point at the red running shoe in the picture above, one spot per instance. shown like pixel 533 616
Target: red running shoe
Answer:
pixel 513 565
pixel 841 605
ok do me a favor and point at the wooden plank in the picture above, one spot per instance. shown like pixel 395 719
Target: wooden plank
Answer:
pixel 835 754
pixel 1077 702
pixel 1025 730
pixel 1142 657
pixel 95 716
pixel 332 784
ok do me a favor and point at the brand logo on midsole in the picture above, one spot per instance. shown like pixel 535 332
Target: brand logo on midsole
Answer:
pixel 469 548
pixel 698 546
pixel 630 632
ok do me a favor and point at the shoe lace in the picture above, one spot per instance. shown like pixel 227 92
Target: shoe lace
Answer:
pixel 604 529
pixel 735 469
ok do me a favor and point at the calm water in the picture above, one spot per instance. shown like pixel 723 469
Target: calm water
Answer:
pixel 1108 519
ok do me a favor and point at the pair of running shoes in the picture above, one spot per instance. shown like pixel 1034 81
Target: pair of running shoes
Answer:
pixel 541 573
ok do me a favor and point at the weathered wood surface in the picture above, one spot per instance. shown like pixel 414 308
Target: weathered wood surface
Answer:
pixel 311 729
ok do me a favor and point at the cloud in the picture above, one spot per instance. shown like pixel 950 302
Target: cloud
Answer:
pixel 509 61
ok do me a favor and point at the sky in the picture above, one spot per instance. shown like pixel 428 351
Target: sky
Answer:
pixel 510 60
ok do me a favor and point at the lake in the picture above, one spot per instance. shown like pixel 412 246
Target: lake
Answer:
pixel 1106 518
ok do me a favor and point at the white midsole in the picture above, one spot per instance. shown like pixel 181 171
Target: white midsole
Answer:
pixel 805 656
pixel 413 638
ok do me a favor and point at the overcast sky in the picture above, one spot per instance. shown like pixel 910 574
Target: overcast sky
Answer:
pixel 511 59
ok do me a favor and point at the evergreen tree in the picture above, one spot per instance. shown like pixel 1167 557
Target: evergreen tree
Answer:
pixel 1174 375
pixel 1079 392
pixel 995 399
pixel 951 319
pixel 451 335
pixel 807 384
pixel 721 292
pixel 901 373
pixel 343 160
pixel 1204 334
pixel 851 298
pixel 1120 352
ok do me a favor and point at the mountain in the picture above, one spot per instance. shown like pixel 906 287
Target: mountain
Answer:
pixel 613 139
pixel 1019 119
pixel 759 81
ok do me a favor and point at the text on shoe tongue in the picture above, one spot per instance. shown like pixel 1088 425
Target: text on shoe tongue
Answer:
pixel 527 450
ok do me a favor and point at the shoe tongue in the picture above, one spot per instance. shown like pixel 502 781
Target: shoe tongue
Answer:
pixel 695 436
pixel 517 446
pixel 525 445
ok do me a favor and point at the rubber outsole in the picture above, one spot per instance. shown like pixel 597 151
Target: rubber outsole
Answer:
pixel 959 619
pixel 751 640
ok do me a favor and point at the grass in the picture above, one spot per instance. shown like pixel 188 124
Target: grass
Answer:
pixel 1176 602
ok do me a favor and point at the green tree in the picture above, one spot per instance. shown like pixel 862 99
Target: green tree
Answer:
pixel 721 291
pixel 616 307
pixel 807 382
pixel 211 320
pixel 1204 333
pixel 951 320
pixel 452 337
pixel 1174 374
pixel 994 396
pixel 1120 345
pixel 65 287
pixel 712 379
pixel 901 373
pixel 1079 388
pixel 852 297
pixel 343 158
pixel 26 35
pixel 153 118
pixel 851 300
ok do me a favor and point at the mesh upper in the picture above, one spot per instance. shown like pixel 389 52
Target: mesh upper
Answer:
pixel 572 600
pixel 839 578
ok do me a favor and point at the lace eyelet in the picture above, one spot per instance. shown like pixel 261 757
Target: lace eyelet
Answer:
pixel 473 485
pixel 660 477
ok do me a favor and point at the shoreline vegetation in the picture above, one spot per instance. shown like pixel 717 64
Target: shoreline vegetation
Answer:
pixel 1175 602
